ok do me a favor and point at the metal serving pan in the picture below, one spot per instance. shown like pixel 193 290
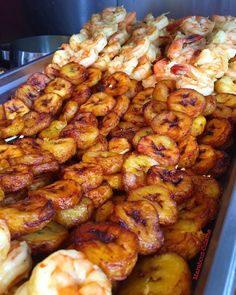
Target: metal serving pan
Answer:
pixel 218 275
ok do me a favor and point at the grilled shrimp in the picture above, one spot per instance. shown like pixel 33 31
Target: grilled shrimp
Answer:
pixel 5 240
pixel 67 272
pixel 15 267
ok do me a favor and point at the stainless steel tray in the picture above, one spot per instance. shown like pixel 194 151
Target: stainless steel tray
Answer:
pixel 218 275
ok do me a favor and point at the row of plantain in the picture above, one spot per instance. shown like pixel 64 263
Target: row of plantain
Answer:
pixel 106 167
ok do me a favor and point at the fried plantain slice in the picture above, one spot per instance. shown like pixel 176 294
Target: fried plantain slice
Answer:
pixel 178 182
pixel 84 135
pixel 110 162
pixel 61 87
pixel 62 148
pixel 227 100
pixel 198 126
pixel 64 194
pixel 119 145
pixel 15 178
pixel 49 103
pixel 134 115
pixel 122 105
pixel 176 125
pixel 217 132
pixel 206 186
pixel 9 128
pixel 134 87
pixel 143 97
pixel 100 104
pixel 70 109
pixel 81 94
pixel 104 212
pixel 140 134
pixel 53 130
pixel 210 105
pixel 165 274
pixel 187 101
pixel 183 238
pixel 108 245
pixel 160 197
pixel 222 164
pixel 15 108
pixel 109 122
pixel 100 194
pixel 152 109
pixel 39 80
pixel 94 75
pixel 87 175
pixel 41 181
pixel 222 111
pixel 52 70
pixel 115 181
pixel 34 122
pixel 77 215
pixel 74 73
pixel 134 170
pixel 163 89
pixel 189 151
pixel 8 152
pixel 205 160
pixel 141 218
pixel 46 240
pixel 115 84
pixel 125 129
pixel 27 216
pixel 86 119
pixel 27 94
pixel 161 148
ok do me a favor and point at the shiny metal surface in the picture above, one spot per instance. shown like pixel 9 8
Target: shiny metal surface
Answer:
pixel 25 50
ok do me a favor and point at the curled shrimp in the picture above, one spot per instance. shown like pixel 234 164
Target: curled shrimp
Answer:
pixel 112 49
pixel 159 22
pixel 142 70
pixel 193 78
pixel 121 37
pixel 114 14
pixel 192 25
pixel 97 43
pixel 185 49
pixel 62 57
pixel 77 39
pixel 162 70
pixel 129 20
pixel 85 57
pixel 5 239
pixel 67 272
pixel 122 64
pixel 15 267
pixel 137 48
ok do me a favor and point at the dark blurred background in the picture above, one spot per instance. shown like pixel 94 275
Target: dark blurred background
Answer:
pixel 22 18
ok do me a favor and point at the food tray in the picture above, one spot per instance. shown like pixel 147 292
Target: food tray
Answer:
pixel 214 269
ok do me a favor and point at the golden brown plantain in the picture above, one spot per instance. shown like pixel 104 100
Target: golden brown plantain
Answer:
pixel 100 194
pixel 15 108
pixel 81 94
pixel 34 122
pixel 9 128
pixel 119 145
pixel 94 75
pixel 53 130
pixel 70 109
pixel 62 148
pixel 163 89
pixel 39 80
pixel 108 245
pixel 122 105
pixel 46 240
pixel 27 94
pixel 198 126
pixel 49 103
pixel 141 218
pixel 183 238
pixel 178 182
pixel 110 162
pixel 165 274
pixel 74 73
pixel 27 216
pixel 189 151
pixel 161 148
pixel 87 175
pixel 152 109
pixel 64 194
pixel 59 86
pixel 115 84
pixel 77 215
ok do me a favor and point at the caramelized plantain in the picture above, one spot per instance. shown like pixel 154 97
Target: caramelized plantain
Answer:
pixel 59 86
pixel 39 80
pixel 49 103
pixel 108 245
pixel 100 194
pixel 73 72
pixel 77 215
pixel 15 108
pixel 34 122
pixel 46 240
pixel 27 216
pixel 141 218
